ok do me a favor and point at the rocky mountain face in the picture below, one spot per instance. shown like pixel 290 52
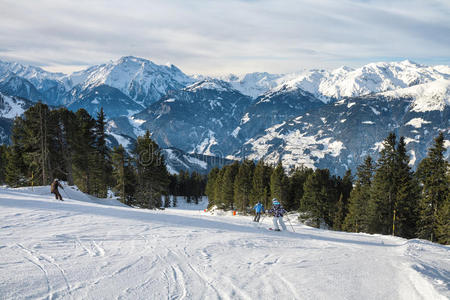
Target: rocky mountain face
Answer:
pixel 114 102
pixel 318 118
pixel 10 107
pixel 200 118
pixel 339 135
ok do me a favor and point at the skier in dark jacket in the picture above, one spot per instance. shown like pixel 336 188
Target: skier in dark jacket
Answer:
pixel 278 211
pixel 54 189
pixel 259 208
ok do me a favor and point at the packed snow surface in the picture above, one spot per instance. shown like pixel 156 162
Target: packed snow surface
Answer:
pixel 88 248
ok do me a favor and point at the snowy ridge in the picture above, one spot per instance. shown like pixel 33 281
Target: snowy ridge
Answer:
pixel 426 97
pixel 210 84
pixel 96 248
pixel 254 84
pixel 369 79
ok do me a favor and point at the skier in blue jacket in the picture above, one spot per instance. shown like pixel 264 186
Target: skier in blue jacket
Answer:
pixel 278 211
pixel 259 208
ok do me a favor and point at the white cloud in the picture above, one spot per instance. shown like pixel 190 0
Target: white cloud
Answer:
pixel 225 36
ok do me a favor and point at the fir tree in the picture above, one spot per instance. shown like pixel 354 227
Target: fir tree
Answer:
pixel 38 133
pixel 227 189
pixel 406 199
pixel 357 218
pixel 3 161
pixel 340 213
pixel 102 168
pixel 279 184
pixel 243 185
pixel 443 222
pixel 84 152
pixel 296 182
pixel 318 198
pixel 209 190
pixel 432 173
pixel 123 173
pixel 384 189
pixel 153 178
pixel 15 170
pixel 261 184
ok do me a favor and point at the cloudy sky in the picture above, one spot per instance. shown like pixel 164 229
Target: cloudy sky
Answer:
pixel 223 36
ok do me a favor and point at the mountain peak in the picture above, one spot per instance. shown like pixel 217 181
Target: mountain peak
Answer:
pixel 210 84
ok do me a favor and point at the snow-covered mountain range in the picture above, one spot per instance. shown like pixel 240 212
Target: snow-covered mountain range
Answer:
pixel 320 118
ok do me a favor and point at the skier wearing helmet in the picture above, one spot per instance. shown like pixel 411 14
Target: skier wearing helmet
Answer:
pixel 278 211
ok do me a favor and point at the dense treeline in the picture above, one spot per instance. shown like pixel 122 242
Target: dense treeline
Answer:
pixel 72 146
pixel 386 196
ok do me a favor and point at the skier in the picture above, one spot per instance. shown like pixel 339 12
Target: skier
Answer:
pixel 278 211
pixel 259 208
pixel 54 189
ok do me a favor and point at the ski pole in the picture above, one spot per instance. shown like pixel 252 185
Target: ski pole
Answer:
pixel 290 224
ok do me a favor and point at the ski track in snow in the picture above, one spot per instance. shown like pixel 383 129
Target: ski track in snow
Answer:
pixel 79 249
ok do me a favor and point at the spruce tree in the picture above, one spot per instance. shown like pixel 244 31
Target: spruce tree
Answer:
pixel 227 189
pixel 443 222
pixel 243 185
pixel 296 182
pixel 279 185
pixel 432 173
pixel 38 133
pixel 340 213
pixel 212 177
pixel 357 218
pixel 261 184
pixel 406 200
pixel 84 152
pixel 153 178
pixel 318 199
pixel 3 162
pixel 124 177
pixel 384 189
pixel 16 170
pixel 102 168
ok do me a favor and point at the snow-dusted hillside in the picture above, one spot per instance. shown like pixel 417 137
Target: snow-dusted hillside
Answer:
pixel 97 249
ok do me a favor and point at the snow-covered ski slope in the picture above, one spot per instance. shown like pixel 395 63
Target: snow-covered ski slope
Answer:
pixel 85 249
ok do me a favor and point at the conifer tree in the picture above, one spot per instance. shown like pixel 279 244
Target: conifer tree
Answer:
pixel 218 184
pixel 16 170
pixel 443 222
pixel 3 161
pixel 38 133
pixel 357 218
pixel 227 189
pixel 153 178
pixel 64 143
pixel 243 185
pixel 279 184
pixel 384 189
pixel 84 152
pixel 432 173
pixel 261 184
pixel 209 190
pixel 296 182
pixel 340 213
pixel 406 200
pixel 102 168
pixel 123 173
pixel 318 198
